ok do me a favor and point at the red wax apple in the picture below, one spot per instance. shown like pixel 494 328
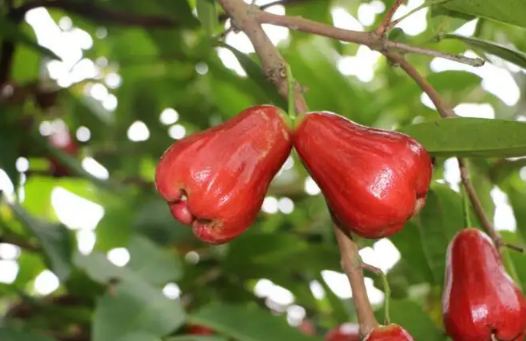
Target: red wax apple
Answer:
pixel 480 301
pixel 216 180
pixel 390 332
pixel 373 180
pixel 61 139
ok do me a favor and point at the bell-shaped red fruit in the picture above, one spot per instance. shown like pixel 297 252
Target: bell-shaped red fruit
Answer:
pixel 480 301
pixel 390 332
pixel 373 180
pixel 344 332
pixel 216 180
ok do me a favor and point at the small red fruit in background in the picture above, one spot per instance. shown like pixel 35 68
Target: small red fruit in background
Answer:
pixel 196 329
pixel 216 180
pixel 344 332
pixel 306 327
pixel 480 298
pixel 373 180
pixel 61 139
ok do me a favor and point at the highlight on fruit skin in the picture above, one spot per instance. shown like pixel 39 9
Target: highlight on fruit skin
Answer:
pixel 480 301
pixel 216 180
pixel 345 332
pixel 373 180
pixel 390 332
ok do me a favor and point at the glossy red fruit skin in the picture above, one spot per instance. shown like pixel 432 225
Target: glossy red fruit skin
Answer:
pixel 479 297
pixel 390 332
pixel 344 332
pixel 216 180
pixel 195 329
pixel 373 180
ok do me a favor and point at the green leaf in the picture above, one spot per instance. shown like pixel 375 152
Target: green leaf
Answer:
pixel 54 239
pixel 511 55
pixel 247 323
pixel 507 11
pixel 518 203
pixel 408 242
pixel 15 335
pixel 12 32
pixel 255 72
pixel 470 137
pixel 442 20
pixel 151 262
pixel 207 14
pixel 135 306
pixel 433 235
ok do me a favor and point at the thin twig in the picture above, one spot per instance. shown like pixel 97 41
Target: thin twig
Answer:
pixel 477 62
pixel 370 39
pixel 475 202
pixel 352 265
pixel 386 22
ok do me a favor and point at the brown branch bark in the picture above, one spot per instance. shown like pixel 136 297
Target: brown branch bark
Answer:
pixel 245 18
pixel 386 22
pixel 370 39
pixel 352 265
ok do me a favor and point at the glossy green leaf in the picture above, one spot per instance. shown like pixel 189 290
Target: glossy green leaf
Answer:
pixel 470 137
pixel 433 235
pixel 135 306
pixel 16 335
pixel 443 21
pixel 511 55
pixel 207 14
pixel 247 323
pixel 54 240
pixel 506 11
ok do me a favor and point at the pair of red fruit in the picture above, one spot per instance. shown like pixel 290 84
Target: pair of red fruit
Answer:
pixel 216 180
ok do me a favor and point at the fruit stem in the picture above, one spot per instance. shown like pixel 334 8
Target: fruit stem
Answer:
pixel 466 206
pixel 387 289
pixel 291 97
pixel 352 265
